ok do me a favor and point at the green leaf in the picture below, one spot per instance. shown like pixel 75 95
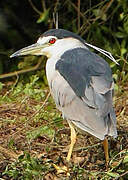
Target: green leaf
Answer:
pixel 45 130
pixel 125 159
pixel 43 17
pixel 125 25
pixel 97 12
pixel 116 87
pixel 120 35
pixel 1 85
pixel 122 16
pixel 58 122
pixel 111 174
pixel 123 51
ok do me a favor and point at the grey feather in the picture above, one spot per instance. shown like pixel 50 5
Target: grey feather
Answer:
pixel 79 67
pixel 84 92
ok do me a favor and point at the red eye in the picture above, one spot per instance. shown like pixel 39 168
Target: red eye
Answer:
pixel 52 41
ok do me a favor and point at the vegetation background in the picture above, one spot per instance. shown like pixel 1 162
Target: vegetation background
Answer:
pixel 33 135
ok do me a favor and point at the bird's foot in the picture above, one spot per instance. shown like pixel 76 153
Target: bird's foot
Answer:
pixel 62 170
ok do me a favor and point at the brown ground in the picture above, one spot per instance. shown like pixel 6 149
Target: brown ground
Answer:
pixel 88 153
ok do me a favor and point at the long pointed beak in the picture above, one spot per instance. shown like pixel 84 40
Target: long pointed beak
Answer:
pixel 34 49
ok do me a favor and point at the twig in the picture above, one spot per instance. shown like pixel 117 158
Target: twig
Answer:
pixel 16 73
pixel 8 153
pixel 75 7
pixel 78 15
pixel 61 148
pixel 86 148
pixel 35 9
pixel 125 173
pixel 43 5
pixel 33 115
pixel 107 6
pixel 87 22
pixel 11 90
pixel 120 153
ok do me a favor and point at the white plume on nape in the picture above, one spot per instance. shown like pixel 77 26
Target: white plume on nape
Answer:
pixel 106 53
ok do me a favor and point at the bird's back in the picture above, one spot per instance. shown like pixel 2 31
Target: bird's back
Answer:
pixel 82 89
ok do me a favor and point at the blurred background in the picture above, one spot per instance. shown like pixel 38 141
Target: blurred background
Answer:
pixel 101 23
pixel 33 134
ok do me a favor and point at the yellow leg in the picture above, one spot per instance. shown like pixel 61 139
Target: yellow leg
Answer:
pixel 105 145
pixel 73 141
pixel 64 169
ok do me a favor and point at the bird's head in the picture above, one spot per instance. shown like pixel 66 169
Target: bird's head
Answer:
pixel 52 42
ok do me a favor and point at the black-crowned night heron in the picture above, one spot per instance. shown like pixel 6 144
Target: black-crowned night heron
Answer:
pixel 80 82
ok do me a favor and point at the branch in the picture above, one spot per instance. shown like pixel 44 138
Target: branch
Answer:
pixel 34 8
pixel 78 15
pixel 37 66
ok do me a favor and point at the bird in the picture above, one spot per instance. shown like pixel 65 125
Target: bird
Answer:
pixel 80 83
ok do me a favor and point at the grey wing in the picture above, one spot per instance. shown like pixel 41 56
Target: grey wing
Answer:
pixel 85 98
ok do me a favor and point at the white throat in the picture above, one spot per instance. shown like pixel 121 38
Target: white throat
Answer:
pixel 56 51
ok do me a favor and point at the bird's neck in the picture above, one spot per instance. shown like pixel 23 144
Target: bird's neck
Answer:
pixel 57 52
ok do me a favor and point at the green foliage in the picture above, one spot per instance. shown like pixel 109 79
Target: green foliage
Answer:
pixel 31 88
pixel 11 144
pixel 42 130
pixel 58 122
pixel 30 168
pixel 125 161
pixel 27 62
pixel 112 175
pixel 43 16
pixel 26 168
pixel 109 30
pixel 81 173
pixel 104 24
pixel 1 86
